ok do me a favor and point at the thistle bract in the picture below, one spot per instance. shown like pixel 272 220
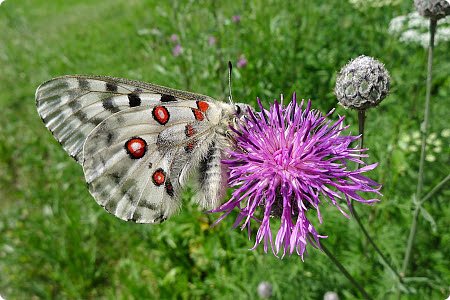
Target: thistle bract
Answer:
pixel 288 161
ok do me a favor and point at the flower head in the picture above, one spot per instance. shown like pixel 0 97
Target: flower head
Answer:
pixel 242 62
pixel 211 40
pixel 236 18
pixel 287 162
pixel 433 9
pixel 362 83
pixel 264 290
pixel 174 38
pixel 177 50
pixel 331 296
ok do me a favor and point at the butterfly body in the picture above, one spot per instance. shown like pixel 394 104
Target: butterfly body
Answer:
pixel 138 143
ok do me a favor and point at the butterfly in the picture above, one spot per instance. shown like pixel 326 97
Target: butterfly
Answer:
pixel 138 143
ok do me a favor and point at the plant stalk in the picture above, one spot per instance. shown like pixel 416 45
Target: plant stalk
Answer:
pixel 345 272
pixel 361 122
pixel 435 189
pixel 424 129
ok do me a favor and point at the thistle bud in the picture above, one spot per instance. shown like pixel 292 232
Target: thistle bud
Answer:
pixel 265 290
pixel 433 9
pixel 362 83
pixel 330 296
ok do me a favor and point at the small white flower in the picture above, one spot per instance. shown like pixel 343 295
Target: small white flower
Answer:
pixel 331 296
pixel 445 133
pixel 415 135
pixel 430 157
pixel 413 28
pixel 432 137
pixel 413 148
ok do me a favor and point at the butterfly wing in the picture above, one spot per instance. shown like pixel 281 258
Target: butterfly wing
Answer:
pixel 72 106
pixel 137 142
pixel 135 167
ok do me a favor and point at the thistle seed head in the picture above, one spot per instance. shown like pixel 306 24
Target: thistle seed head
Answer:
pixel 433 9
pixel 362 83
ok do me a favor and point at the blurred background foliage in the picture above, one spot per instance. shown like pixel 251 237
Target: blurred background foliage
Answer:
pixel 56 242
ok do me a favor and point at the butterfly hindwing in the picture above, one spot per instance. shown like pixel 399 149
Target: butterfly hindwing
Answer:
pixel 137 160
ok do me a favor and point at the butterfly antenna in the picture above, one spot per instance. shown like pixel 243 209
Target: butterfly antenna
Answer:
pixel 230 68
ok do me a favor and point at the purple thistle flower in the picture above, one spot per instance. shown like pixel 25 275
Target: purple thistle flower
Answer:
pixel 174 38
pixel 177 50
pixel 288 160
pixel 236 18
pixel 211 40
pixel 242 62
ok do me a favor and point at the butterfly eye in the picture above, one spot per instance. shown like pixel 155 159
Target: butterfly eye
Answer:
pixel 238 110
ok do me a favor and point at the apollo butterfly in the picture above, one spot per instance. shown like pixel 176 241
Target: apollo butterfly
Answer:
pixel 138 143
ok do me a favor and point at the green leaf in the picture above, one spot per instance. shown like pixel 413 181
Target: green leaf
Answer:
pixel 427 216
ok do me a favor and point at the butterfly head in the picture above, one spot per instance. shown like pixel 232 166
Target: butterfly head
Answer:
pixel 241 109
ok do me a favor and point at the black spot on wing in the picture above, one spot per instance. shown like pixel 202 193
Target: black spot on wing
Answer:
pixel 84 84
pixel 111 87
pixel 95 121
pixel 82 116
pixel 136 216
pixel 109 138
pixel 148 205
pixel 167 98
pixel 115 177
pixel 161 218
pixel 74 105
pixel 108 104
pixel 169 188
pixel 134 100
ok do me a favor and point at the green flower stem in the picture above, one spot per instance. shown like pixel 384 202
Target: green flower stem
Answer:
pixel 435 189
pixel 361 122
pixel 345 272
pixel 424 130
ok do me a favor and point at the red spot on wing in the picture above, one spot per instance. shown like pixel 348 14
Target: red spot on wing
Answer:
pixel 136 147
pixel 189 130
pixel 190 146
pixel 161 114
pixel 158 177
pixel 202 105
pixel 198 114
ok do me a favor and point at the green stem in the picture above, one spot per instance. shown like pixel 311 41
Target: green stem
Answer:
pixel 435 189
pixel 424 130
pixel 361 122
pixel 345 272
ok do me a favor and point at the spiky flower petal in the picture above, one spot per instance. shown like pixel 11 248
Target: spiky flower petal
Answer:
pixel 288 161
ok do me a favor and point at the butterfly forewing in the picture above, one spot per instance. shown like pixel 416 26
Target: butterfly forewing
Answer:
pixel 72 106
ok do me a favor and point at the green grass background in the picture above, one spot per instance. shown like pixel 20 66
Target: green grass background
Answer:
pixel 56 242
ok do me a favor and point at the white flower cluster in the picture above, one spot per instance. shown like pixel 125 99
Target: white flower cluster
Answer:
pixel 413 28
pixel 364 4
pixel 411 143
